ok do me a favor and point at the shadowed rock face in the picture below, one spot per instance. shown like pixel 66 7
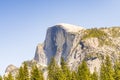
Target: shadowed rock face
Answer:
pixel 40 56
pixel 75 44
pixel 58 43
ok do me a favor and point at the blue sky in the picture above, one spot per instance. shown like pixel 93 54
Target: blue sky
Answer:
pixel 23 23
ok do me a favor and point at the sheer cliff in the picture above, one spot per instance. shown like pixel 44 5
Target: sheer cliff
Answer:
pixel 75 43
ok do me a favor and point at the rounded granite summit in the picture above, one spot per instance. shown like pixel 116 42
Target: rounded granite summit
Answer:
pixel 70 27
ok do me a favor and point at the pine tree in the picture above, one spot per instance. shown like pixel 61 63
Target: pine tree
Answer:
pixel 54 72
pixel 74 75
pixel 109 69
pixel 65 70
pixel 36 74
pixel 95 75
pixel 0 77
pixel 23 73
pixel 117 71
pixel 102 72
pixel 83 72
pixel 9 77
pixel 5 78
pixel 20 75
pixel 25 70
pixel 106 72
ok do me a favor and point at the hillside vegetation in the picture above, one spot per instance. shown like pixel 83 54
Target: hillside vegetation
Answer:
pixel 107 72
pixel 87 54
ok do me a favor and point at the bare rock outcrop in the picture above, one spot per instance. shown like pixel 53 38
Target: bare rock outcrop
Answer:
pixel 75 43
pixel 11 69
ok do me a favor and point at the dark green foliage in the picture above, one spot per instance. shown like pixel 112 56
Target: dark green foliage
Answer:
pixel 23 73
pixel 4 78
pixel 74 75
pixel 94 76
pixel 83 71
pixel 20 75
pixel 117 71
pixel 0 77
pixel 9 77
pixel 66 72
pixel 109 69
pixel 26 73
pixel 54 72
pixel 102 72
pixel 94 33
pixel 36 74
pixel 107 72
pixel 98 33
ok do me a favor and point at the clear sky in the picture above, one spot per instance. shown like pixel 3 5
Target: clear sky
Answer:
pixel 23 23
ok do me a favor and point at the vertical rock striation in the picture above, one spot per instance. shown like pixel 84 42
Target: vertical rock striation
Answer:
pixel 75 43
pixel 58 43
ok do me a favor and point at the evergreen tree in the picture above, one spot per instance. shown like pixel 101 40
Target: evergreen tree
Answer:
pixel 102 72
pixel 106 72
pixel 8 77
pixel 94 75
pixel 20 75
pixel 5 78
pixel 83 72
pixel 0 77
pixel 26 72
pixel 74 75
pixel 23 73
pixel 117 71
pixel 36 74
pixel 54 72
pixel 65 70
pixel 109 69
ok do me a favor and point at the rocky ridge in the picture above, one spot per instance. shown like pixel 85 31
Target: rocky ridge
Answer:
pixel 75 43
pixel 11 69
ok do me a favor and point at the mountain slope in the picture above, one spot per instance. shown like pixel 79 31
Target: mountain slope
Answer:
pixel 75 43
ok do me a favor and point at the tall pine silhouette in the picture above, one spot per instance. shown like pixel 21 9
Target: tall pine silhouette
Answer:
pixel 106 71
pixel 66 72
pixel 83 72
pixel 54 71
pixel 36 74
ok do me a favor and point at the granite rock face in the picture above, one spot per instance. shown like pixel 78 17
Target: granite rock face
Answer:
pixel 11 69
pixel 58 43
pixel 75 43
pixel 40 56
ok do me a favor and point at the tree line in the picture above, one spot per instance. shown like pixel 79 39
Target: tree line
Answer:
pixel 107 72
